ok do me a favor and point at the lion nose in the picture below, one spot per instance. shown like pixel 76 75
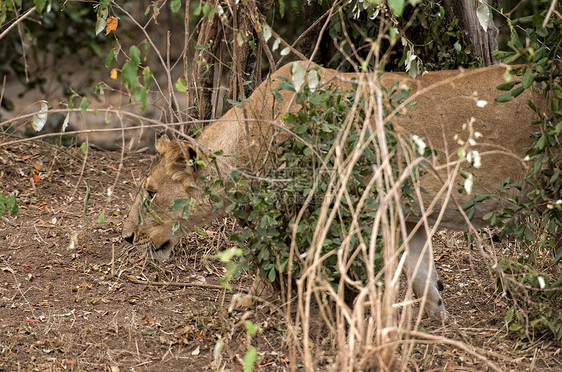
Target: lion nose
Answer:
pixel 130 238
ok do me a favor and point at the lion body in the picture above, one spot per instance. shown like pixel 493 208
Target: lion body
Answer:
pixel 446 101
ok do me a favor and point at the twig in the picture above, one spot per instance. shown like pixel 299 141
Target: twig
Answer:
pixel 158 54
pixel 17 21
pixel 3 89
pixel 185 284
pixel 301 56
pixel 549 13
pixel 18 285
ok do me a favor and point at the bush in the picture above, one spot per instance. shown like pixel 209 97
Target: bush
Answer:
pixel 536 215
pixel 286 208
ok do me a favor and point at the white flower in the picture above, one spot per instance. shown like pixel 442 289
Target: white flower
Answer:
pixel 468 183
pixel 542 284
pixel 477 162
pixel 481 103
pixel 420 143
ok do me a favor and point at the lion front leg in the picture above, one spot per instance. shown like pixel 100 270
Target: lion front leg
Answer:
pixel 420 269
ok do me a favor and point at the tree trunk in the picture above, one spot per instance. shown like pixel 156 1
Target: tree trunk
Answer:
pixel 238 19
pixel 484 42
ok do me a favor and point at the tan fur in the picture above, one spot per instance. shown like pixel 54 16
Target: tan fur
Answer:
pixel 445 101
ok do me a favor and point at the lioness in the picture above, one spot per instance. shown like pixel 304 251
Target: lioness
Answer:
pixel 445 101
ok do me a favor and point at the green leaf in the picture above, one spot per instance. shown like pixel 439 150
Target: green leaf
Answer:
pixel 84 148
pixel 250 359
pixel 528 79
pixel 517 91
pixel 101 219
pixel 175 6
pixel 199 230
pixel 39 5
pixel 178 204
pixel 229 254
pixel 506 97
pixel 84 104
pixel 487 216
pixel 181 86
pixel 507 86
pixel 509 315
pixel 130 75
pixel 250 327
pixel 499 54
pixel 147 76
pixel 271 275
pixel 206 9
pixel 134 53
pixel 396 6
pixel 12 205
pixel 110 57
pixel 141 94
pixel 541 143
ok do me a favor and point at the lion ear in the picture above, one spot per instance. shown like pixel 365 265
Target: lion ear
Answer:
pixel 191 152
pixel 162 144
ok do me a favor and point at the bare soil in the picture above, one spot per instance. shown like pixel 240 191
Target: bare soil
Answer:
pixel 74 296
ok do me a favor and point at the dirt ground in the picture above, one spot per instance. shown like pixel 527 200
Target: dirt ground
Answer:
pixel 74 296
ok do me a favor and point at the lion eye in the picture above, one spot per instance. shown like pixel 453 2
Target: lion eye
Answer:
pixel 151 194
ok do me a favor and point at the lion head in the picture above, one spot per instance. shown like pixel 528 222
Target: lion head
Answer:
pixel 154 225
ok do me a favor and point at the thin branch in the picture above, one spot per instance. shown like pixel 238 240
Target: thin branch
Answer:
pixel 549 13
pixel 185 284
pixel 16 22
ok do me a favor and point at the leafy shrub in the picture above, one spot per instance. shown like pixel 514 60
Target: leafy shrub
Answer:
pixel 421 37
pixel 536 216
pixel 60 30
pixel 300 180
pixel 536 308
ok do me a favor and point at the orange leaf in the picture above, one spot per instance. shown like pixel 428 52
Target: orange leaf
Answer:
pixel 27 267
pixel 36 178
pixel 25 157
pixel 113 74
pixel 37 167
pixel 156 13
pixel 112 168
pixel 111 24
